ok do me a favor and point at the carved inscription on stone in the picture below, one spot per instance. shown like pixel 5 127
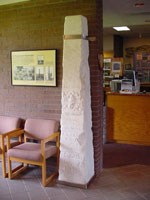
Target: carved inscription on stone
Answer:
pixel 76 147
pixel 72 102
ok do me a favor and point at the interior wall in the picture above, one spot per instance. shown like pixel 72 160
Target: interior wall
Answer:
pixel 127 42
pixel 39 24
pixel 135 42
pixel 108 43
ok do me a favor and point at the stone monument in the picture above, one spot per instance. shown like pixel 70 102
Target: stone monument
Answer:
pixel 76 144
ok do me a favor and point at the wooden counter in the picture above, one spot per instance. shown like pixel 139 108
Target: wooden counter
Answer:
pixel 128 118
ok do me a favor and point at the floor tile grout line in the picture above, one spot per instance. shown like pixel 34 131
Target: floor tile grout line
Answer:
pixel 41 185
pixel 26 190
pixel 65 194
pixel 141 195
pixel 83 192
pixel 9 189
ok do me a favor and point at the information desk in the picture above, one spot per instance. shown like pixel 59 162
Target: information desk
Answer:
pixel 128 118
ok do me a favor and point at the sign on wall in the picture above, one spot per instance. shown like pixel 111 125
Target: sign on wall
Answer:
pixel 35 68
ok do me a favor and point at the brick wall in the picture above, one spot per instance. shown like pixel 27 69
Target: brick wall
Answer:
pixel 39 25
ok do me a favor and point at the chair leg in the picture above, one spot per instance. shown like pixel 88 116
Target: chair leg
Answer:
pixel 9 169
pixel 17 170
pixel 57 159
pixel 4 164
pixel 44 173
pixel 45 179
pixel 3 157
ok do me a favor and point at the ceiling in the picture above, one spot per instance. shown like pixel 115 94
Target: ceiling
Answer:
pixel 125 13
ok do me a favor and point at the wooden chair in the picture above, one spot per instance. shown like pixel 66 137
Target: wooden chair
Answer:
pixel 8 125
pixel 33 153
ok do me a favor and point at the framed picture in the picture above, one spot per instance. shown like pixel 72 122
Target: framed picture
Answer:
pixel 34 68
pixel 116 67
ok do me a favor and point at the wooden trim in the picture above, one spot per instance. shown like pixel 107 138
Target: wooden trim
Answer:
pixel 79 36
pixel 39 163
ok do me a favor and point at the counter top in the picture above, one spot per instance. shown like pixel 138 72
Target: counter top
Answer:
pixel 126 94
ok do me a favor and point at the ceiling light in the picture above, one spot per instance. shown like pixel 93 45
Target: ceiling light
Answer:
pixel 121 28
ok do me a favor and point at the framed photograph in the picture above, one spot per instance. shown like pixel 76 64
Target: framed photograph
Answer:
pixel 34 68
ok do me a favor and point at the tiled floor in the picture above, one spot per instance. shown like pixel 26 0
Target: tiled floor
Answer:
pixel 123 183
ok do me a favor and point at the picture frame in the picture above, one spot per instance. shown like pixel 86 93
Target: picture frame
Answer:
pixel 116 67
pixel 34 67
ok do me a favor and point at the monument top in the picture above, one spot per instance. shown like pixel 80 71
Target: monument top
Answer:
pixel 75 25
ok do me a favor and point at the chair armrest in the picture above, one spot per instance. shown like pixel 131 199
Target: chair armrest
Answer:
pixel 12 134
pixel 48 139
pixel 51 137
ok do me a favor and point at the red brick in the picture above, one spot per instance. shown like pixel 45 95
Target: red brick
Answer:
pixel 29 26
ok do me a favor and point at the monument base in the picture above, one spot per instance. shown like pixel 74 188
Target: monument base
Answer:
pixel 82 186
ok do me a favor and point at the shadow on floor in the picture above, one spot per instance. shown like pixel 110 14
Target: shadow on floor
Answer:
pixel 116 155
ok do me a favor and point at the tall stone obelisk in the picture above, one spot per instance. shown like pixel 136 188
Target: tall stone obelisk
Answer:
pixel 76 148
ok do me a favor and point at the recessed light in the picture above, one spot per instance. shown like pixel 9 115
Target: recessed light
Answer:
pixel 121 28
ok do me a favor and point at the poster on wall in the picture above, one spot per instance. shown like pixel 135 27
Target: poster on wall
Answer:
pixel 34 68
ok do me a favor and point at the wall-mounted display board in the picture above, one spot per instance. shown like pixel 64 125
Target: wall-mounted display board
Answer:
pixel 142 66
pixel 130 51
pixel 34 68
pixel 107 77
pixel 112 68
